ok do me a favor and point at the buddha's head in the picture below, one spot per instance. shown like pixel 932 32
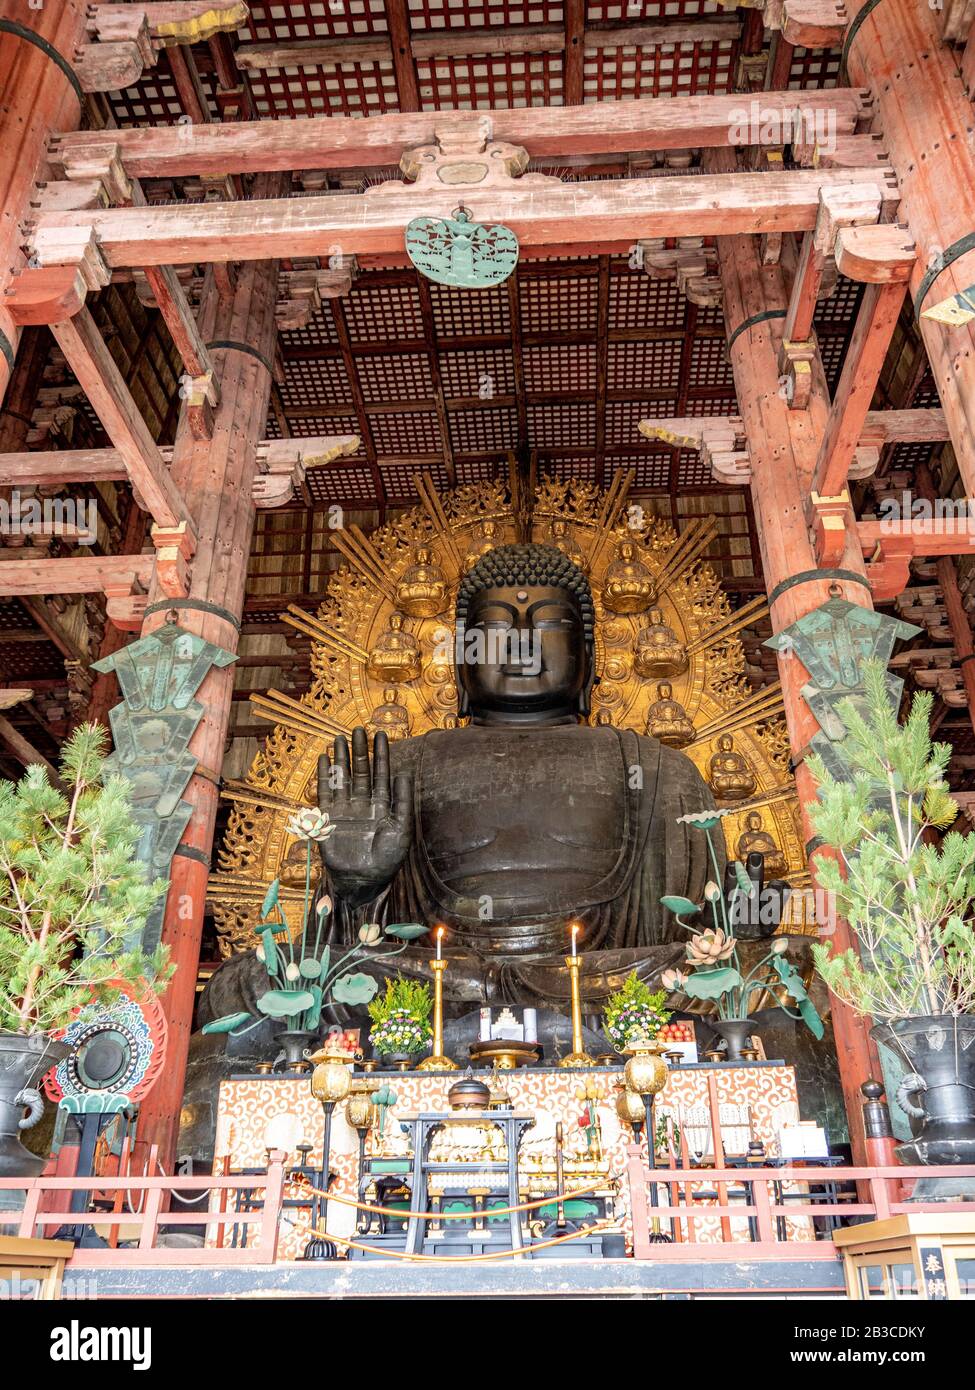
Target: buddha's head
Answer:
pixel 726 743
pixel 664 690
pixel 525 627
pixel 655 617
pixel 754 821
pixel 396 622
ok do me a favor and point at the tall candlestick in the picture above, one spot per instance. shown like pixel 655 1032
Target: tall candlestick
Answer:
pixel 578 1057
pixel 437 1061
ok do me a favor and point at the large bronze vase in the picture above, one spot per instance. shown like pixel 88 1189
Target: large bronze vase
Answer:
pixel 939 1091
pixel 24 1058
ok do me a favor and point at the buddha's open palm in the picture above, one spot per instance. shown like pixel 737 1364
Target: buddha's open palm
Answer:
pixel 373 821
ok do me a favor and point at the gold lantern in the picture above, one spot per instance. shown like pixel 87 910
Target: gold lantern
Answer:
pixel 331 1079
pixel 629 1107
pixel 358 1107
pixel 645 1072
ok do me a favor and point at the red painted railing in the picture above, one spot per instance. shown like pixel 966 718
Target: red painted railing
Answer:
pixel 740 1228
pixel 146 1200
pixel 681 1207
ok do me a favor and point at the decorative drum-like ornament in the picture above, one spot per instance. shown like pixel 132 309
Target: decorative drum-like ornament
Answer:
pixel 630 1107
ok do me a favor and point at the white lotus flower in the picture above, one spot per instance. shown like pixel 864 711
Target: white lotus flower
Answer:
pixel 370 933
pixel 309 824
pixel 292 972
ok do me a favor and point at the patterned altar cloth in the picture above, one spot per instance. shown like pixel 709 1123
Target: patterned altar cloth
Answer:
pixel 754 1099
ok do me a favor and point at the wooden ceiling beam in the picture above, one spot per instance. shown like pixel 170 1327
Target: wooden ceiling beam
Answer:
pixel 102 382
pixel 86 574
pixel 261 229
pixel 401 43
pixel 874 328
pixel 471 42
pixel 70 467
pixel 353 142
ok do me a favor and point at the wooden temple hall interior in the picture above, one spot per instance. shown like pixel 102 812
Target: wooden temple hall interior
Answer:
pixel 344 343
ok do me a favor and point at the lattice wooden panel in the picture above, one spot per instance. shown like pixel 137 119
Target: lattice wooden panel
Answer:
pixel 671 70
pixel 458 313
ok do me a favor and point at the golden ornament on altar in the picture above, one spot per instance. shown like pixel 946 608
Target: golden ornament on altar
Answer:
pixel 658 653
pixel 391 717
pixel 630 1108
pixel 422 591
pixel 396 655
pixel 628 586
pixel 755 839
pixel 646 1071
pixel 331 1079
pixel 667 719
pixel 731 778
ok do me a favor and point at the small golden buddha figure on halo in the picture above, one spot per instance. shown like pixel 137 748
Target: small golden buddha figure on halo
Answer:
pixel 487 535
pixel 604 719
pixel 391 717
pixel 731 778
pixel 422 591
pixel 658 652
pixel 667 719
pixel 628 586
pixel 755 839
pixel 294 867
pixel 396 655
pixel 561 538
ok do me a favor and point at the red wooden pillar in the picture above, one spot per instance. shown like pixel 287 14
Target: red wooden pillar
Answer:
pixel 215 477
pixel 783 446
pixel 925 117
pixel 39 97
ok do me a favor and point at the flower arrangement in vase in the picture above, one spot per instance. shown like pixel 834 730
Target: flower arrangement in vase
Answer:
pixel 635 1011
pixel 401 1019
pixel 713 969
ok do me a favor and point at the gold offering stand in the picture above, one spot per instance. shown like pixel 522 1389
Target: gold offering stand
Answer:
pixel 505 1053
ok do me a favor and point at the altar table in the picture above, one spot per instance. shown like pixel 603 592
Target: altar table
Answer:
pixel 551 1094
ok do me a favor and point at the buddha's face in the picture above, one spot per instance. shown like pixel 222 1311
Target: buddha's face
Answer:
pixel 523 657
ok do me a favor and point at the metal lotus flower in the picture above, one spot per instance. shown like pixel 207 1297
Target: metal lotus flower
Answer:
pixel 709 947
pixel 309 824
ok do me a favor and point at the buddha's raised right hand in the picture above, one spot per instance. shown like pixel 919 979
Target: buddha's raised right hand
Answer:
pixel 373 824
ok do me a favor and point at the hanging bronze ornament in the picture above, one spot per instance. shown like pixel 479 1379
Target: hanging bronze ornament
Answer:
pixel 456 251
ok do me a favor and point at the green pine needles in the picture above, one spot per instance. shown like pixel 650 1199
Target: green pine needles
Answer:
pixel 908 903
pixel 73 898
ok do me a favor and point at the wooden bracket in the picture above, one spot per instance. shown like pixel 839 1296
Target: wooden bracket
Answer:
pixel 466 158
pixel 174 549
pixel 795 366
pixel 282 464
pixel 889 569
pixel 99 160
pixel 890 545
pixel 880 255
pixel 300 292
pixel 201 396
pixel 808 23
pixel 845 205
pixel 830 519
pixel 125 39
pixel 690 263
pixel 45 296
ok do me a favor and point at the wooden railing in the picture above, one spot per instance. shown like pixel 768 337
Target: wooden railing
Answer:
pixel 144 1206
pixel 758 1221
pixel 745 1210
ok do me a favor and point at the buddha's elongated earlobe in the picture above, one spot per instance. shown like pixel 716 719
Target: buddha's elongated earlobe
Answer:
pixel 585 694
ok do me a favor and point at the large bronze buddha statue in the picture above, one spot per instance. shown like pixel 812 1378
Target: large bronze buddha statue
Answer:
pixel 525 818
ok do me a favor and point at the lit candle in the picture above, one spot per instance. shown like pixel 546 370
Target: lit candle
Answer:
pixel 575 932
pixel 440 932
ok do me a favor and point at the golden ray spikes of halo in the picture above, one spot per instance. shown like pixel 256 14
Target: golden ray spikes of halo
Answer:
pixel 335 642
pixel 233 890
pixel 298 718
pixel 759 707
pixel 363 556
pixel 430 498
pixel 686 551
pixel 609 513
pixel 751 612
pixel 244 794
